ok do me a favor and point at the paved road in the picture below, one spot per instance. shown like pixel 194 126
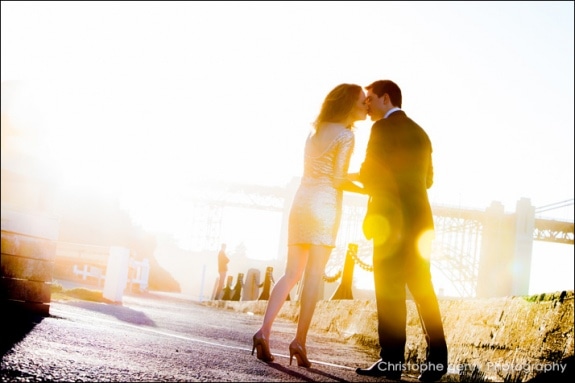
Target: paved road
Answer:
pixel 162 337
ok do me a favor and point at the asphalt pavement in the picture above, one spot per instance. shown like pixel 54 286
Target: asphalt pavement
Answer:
pixel 161 337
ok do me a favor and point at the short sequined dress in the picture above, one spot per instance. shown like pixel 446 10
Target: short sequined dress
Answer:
pixel 315 213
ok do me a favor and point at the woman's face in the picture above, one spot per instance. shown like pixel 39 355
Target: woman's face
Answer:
pixel 360 108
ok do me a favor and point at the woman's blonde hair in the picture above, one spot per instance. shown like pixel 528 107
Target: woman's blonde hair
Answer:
pixel 338 104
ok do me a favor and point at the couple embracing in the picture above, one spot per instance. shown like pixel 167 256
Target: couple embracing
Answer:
pixel 395 174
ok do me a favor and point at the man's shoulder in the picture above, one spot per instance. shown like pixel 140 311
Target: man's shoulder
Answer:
pixel 396 118
pixel 401 117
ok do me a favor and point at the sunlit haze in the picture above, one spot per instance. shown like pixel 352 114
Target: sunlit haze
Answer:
pixel 144 99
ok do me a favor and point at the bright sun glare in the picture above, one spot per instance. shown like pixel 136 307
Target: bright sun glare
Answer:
pixel 187 92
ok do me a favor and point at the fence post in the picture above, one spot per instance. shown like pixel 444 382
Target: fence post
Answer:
pixel 265 295
pixel 344 289
pixel 252 285
pixel 237 292
pixel 116 273
pixel 202 282
pixel 215 289
pixel 228 289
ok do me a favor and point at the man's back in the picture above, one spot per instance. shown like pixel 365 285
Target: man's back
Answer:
pixel 398 157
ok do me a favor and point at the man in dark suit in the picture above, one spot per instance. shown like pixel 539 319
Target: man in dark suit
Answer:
pixel 396 173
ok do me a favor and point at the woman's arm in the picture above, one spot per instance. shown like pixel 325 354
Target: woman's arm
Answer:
pixel 343 180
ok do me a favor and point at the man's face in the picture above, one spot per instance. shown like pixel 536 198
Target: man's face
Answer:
pixel 375 106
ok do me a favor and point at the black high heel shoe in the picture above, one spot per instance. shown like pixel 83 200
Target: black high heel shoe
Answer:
pixel 297 350
pixel 261 345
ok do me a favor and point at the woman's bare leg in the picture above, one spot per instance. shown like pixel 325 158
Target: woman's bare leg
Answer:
pixel 317 259
pixel 295 266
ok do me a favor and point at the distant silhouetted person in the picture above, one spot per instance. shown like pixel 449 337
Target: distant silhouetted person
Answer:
pixel 396 173
pixel 315 214
pixel 223 261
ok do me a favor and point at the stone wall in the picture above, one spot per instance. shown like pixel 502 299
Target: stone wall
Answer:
pixel 511 339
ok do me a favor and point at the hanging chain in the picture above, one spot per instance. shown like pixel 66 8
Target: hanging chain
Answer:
pixel 361 263
pixel 332 279
pixel 337 275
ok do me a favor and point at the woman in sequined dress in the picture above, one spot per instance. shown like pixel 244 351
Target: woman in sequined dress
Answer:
pixel 315 214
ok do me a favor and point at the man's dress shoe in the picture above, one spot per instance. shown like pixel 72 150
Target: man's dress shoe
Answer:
pixel 382 369
pixel 435 365
pixel 434 372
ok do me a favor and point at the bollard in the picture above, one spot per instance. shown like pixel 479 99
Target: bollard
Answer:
pixel 228 289
pixel 116 273
pixel 237 291
pixel 252 285
pixel 215 289
pixel 202 283
pixel 265 295
pixel 343 291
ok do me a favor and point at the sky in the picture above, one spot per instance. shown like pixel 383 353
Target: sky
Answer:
pixel 145 98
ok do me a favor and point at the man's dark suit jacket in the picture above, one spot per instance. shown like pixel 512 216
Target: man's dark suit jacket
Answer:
pixel 397 171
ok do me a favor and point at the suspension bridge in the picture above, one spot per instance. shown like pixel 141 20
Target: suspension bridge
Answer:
pixel 472 247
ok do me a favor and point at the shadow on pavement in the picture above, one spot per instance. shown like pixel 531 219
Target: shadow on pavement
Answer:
pixel 330 376
pixel 303 377
pixel 16 326
pixel 122 313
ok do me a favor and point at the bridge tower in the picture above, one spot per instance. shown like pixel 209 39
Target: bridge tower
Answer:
pixel 524 226
pixel 506 251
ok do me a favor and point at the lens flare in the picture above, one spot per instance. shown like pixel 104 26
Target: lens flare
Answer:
pixel 424 243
